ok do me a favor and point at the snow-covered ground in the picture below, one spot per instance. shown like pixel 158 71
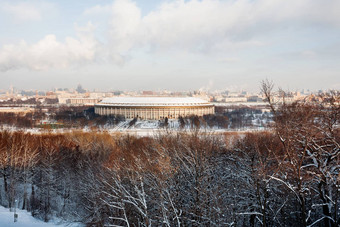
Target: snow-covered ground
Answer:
pixel 147 128
pixel 25 219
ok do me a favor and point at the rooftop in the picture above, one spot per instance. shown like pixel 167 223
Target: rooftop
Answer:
pixel 153 101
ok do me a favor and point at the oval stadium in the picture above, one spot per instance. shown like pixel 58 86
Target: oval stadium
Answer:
pixel 154 108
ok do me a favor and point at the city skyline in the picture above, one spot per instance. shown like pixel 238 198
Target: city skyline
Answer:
pixel 175 45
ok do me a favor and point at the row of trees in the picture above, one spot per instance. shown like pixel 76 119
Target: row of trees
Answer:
pixel 84 116
pixel 288 176
pixel 29 101
pixel 69 117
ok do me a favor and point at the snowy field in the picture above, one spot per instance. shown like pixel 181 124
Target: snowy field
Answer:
pixel 25 219
pixel 142 128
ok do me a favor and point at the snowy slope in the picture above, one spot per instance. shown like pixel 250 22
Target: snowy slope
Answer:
pixel 24 220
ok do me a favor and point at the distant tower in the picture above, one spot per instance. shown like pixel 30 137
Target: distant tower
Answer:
pixel 80 89
pixel 11 90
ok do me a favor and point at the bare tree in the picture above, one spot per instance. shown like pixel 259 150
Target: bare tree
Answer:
pixel 308 133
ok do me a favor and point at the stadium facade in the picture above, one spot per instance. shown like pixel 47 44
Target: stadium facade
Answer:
pixel 154 108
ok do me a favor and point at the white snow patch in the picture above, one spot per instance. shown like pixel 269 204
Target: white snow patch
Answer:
pixel 25 219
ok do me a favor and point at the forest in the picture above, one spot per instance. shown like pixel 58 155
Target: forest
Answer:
pixel 288 175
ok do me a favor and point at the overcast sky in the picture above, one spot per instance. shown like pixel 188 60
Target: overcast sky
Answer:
pixel 172 44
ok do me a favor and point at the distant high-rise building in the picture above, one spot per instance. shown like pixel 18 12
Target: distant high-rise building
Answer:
pixel 80 89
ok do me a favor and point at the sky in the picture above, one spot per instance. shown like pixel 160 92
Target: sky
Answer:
pixel 171 44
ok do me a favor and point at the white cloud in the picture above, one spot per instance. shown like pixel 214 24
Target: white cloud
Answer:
pixel 22 11
pixel 212 24
pixel 50 53
pixel 125 25
pixel 98 9
pixel 189 26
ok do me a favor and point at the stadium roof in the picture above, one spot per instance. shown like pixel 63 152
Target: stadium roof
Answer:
pixel 153 101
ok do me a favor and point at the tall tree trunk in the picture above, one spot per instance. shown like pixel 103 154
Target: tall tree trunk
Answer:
pixel 303 211
pixel 24 204
pixel 325 208
pixel 33 202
